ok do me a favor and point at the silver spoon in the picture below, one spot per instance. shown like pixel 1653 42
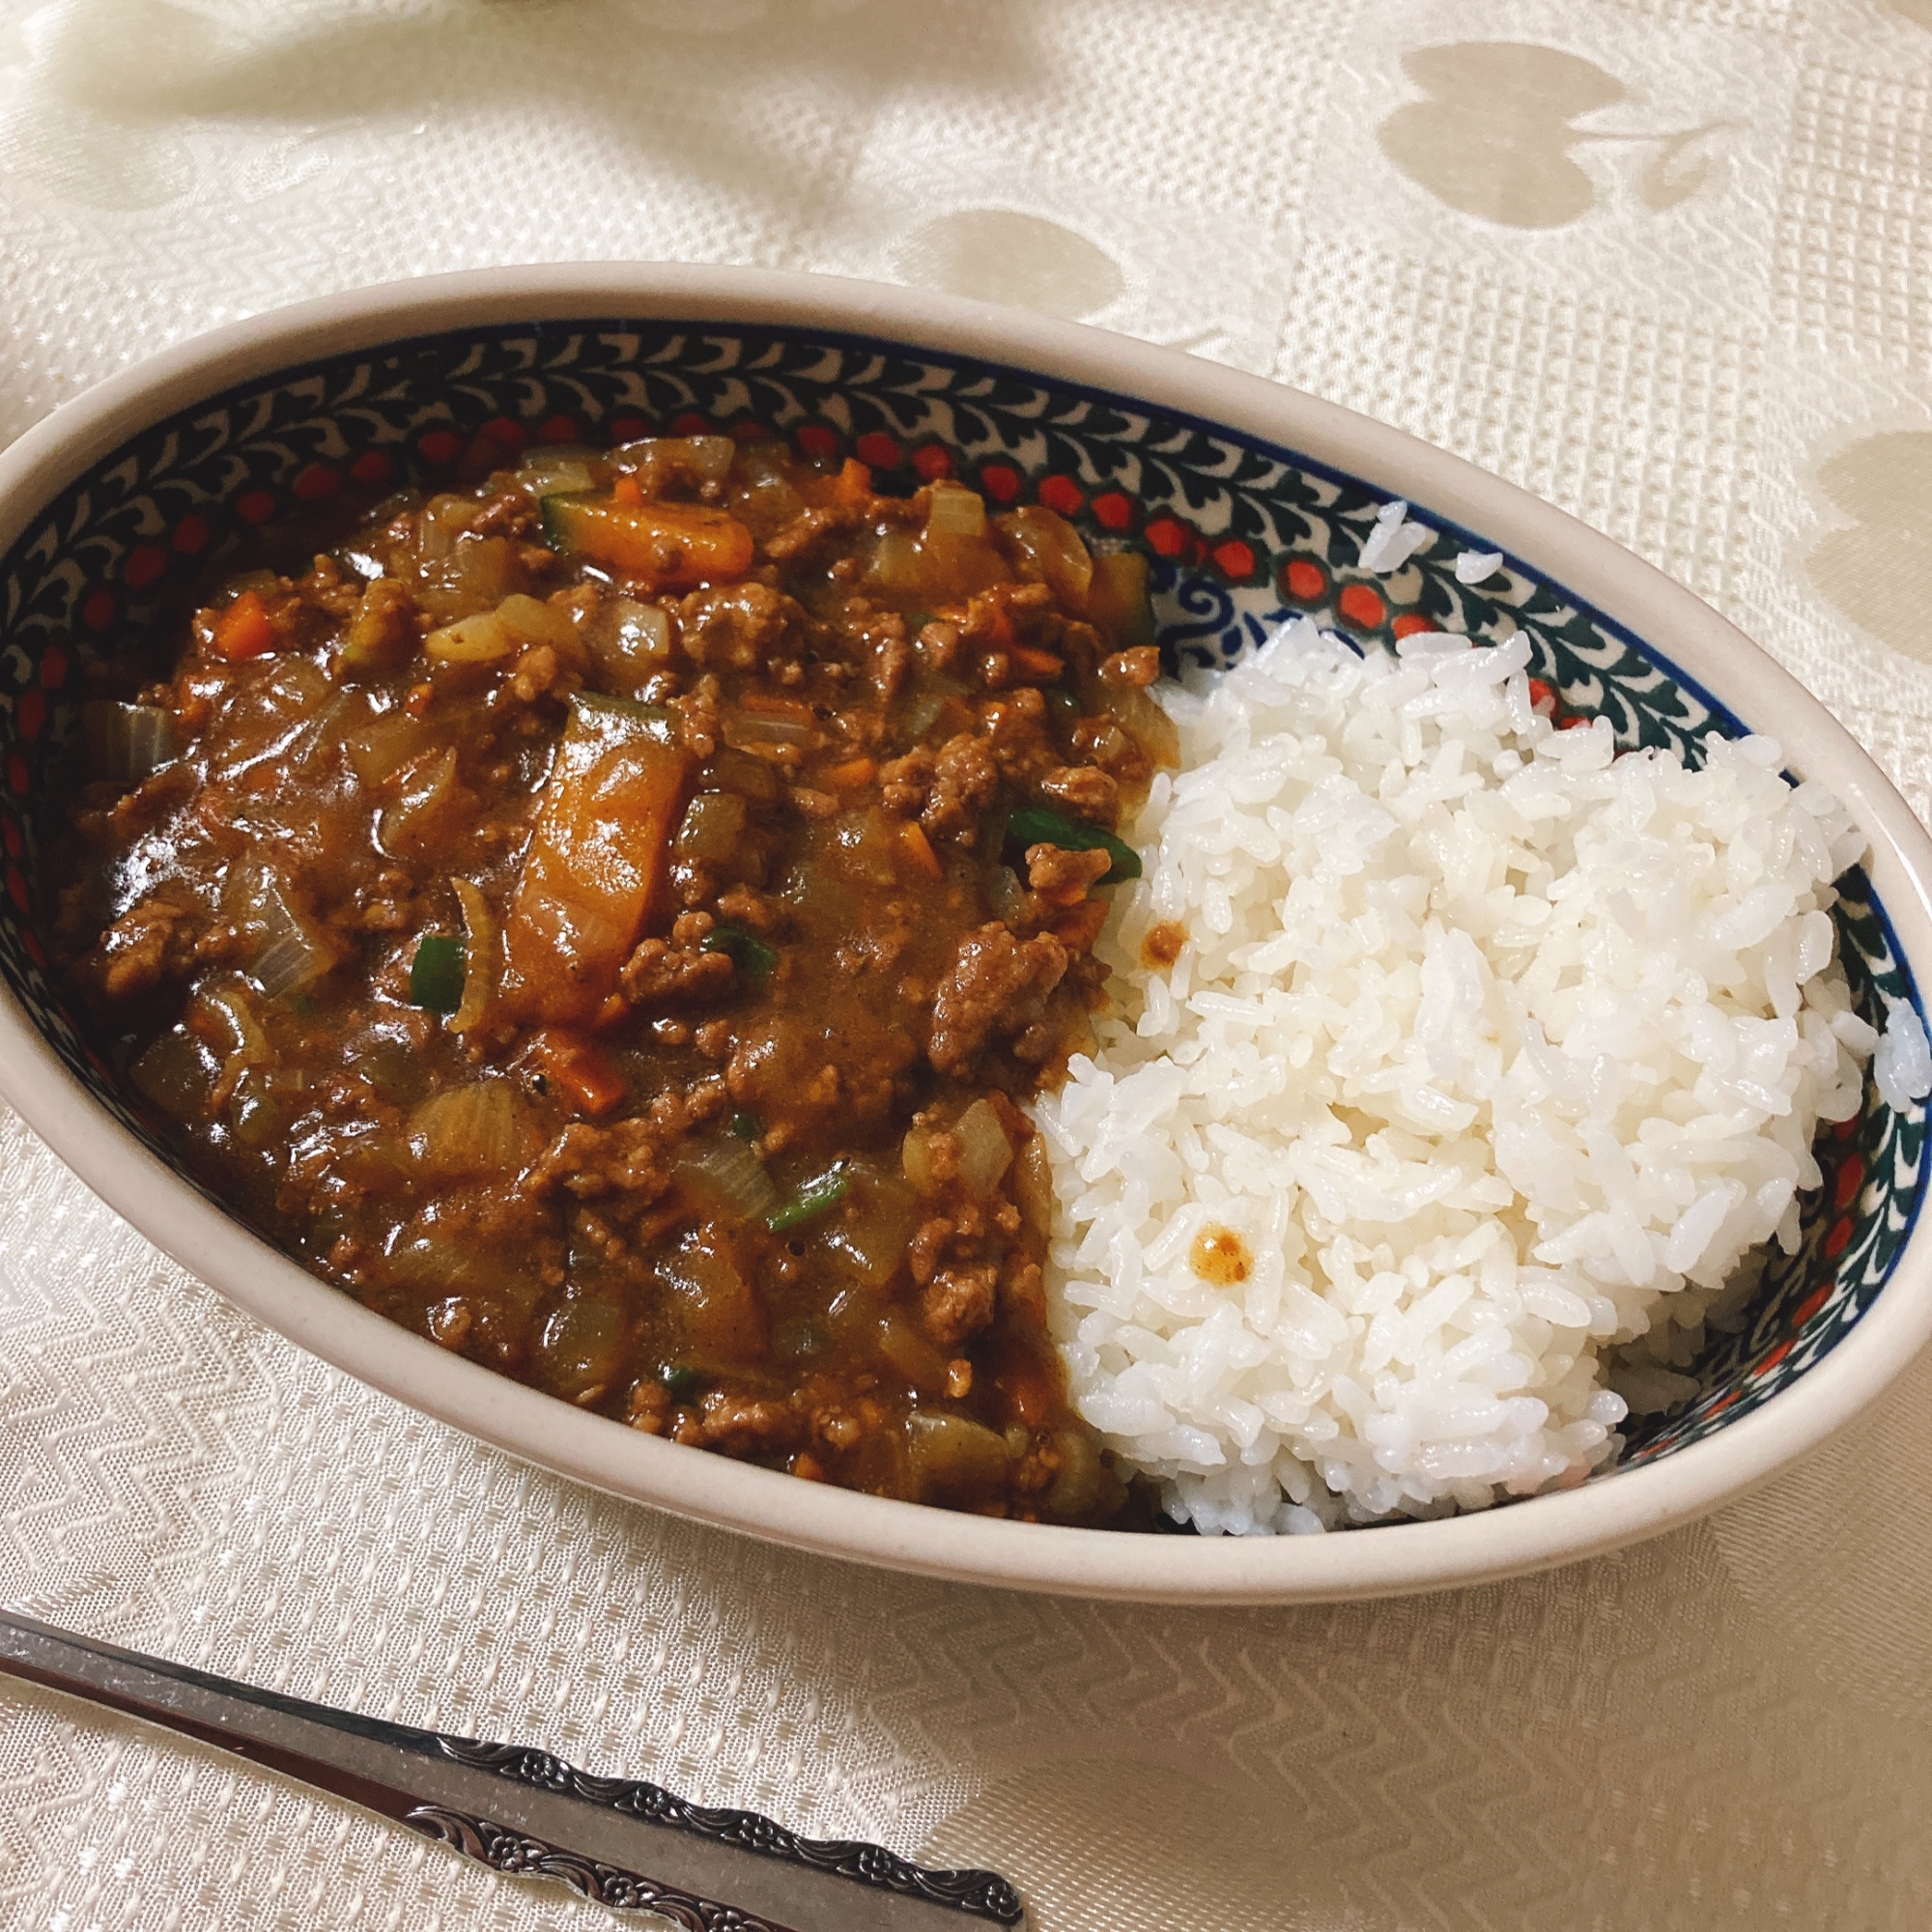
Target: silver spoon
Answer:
pixel 520 1811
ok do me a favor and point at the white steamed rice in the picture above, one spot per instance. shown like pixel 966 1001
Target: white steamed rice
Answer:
pixel 1491 1051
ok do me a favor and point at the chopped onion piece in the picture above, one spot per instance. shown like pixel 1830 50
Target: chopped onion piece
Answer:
pixel 466 1130
pixel 985 1150
pixel 956 512
pixel 714 824
pixel 659 460
pixel 745 728
pixel 444 519
pixel 555 470
pixel 952 1456
pixel 127 741
pixel 631 641
pixel 478 640
pixel 896 566
pixel 1045 548
pixel 531 618
pixel 288 957
pixel 479 957
pixel 724 1165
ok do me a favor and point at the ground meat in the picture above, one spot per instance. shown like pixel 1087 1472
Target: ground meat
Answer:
pixel 1085 789
pixel 814 531
pixel 513 514
pixel 1138 667
pixel 735 627
pixel 151 941
pixel 745 1425
pixel 383 625
pixel 626 1157
pixel 959 1302
pixel 662 974
pixel 998 986
pixel 903 783
pixel 964 780
pixel 1061 877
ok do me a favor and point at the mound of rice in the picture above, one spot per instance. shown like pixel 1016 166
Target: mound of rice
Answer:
pixel 1484 1054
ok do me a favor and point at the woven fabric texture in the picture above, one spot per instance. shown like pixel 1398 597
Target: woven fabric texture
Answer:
pixel 1668 263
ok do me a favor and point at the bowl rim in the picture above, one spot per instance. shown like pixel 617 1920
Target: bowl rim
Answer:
pixel 1535 1533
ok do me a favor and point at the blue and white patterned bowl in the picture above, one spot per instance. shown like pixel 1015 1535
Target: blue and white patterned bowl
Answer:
pixel 1252 500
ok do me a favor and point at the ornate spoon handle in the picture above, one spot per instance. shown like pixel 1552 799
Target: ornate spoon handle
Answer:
pixel 522 1810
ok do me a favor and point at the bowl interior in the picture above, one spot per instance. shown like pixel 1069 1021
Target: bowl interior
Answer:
pixel 1240 534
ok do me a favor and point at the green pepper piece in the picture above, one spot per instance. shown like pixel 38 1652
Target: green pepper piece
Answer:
pixel 678 1382
pixel 822 1191
pixel 1034 825
pixel 435 974
pixel 747 951
pixel 746 1128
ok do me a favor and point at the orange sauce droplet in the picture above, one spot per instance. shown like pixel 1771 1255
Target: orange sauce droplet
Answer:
pixel 1221 1256
pixel 1162 946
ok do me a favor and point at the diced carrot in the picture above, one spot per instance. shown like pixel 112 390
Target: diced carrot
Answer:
pixel 918 849
pixel 853 484
pixel 1029 1396
pixel 245 630
pixel 1081 927
pixel 628 494
pixel 1003 634
pixel 585 1071
pixel 1040 665
pixel 416 700
pixel 851 775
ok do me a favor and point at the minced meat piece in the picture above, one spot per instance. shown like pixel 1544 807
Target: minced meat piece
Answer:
pixel 1085 789
pixel 626 1157
pixel 153 941
pixel 964 782
pixel 659 974
pixel 734 627
pixel 998 987
pixel 958 1302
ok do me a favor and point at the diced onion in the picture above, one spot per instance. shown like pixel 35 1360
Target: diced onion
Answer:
pixel 478 640
pixel 1145 723
pixel 1117 599
pixel 985 1150
pixel 631 641
pixel 725 1165
pixel 663 459
pixel 714 824
pixel 952 1456
pixel 479 957
pixel 288 957
pixel 444 519
pixel 530 617
pixel 873 1232
pixel 956 512
pixel 916 1160
pixel 127 741
pixel 745 728
pixel 557 469
pixel 1047 548
pixel 896 566
pixel 466 1130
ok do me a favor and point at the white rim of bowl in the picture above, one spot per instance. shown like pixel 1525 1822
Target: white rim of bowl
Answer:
pixel 1510 1538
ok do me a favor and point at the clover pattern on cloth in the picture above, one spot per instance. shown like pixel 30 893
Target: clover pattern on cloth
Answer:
pixel 1664 262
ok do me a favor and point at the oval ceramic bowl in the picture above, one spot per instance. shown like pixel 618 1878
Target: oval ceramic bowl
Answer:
pixel 1252 500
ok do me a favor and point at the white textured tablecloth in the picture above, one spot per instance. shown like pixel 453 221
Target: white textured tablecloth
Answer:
pixel 1666 262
